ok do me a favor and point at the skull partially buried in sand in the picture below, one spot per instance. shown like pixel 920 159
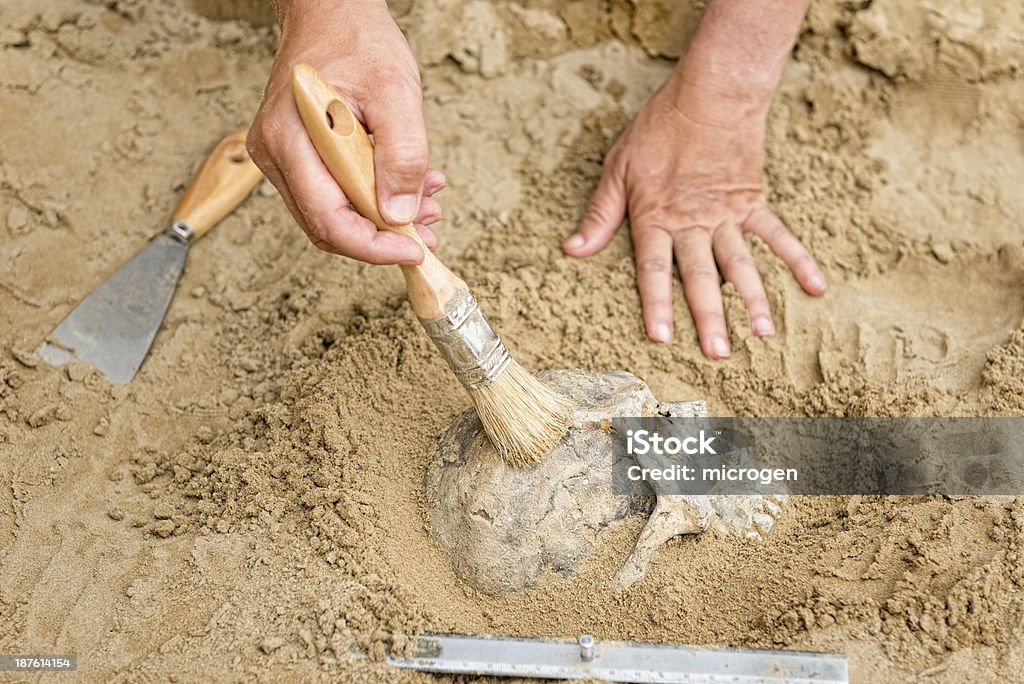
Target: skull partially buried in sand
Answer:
pixel 503 526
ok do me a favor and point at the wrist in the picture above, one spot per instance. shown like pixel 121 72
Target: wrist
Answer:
pixel 713 71
pixel 293 13
pixel 739 51
pixel 718 98
pixel 723 71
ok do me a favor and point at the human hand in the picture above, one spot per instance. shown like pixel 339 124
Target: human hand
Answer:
pixel 688 169
pixel 358 47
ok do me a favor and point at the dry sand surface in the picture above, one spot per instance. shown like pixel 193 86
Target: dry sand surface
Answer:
pixel 251 504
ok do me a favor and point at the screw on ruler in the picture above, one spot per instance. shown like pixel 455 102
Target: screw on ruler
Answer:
pixel 586 643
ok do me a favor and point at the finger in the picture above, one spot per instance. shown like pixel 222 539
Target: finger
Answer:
pixel 400 157
pixel 766 225
pixel 277 180
pixel 653 248
pixel 328 217
pixel 275 177
pixel 430 212
pixel 389 248
pixel 256 148
pixel 738 267
pixel 434 182
pixel 428 237
pixel 426 234
pixel 703 290
pixel 602 218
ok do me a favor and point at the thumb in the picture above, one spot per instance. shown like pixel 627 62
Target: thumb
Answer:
pixel 603 217
pixel 400 154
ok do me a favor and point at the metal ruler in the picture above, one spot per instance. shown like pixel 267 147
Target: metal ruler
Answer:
pixel 618 661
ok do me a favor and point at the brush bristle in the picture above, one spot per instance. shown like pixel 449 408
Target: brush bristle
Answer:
pixel 523 417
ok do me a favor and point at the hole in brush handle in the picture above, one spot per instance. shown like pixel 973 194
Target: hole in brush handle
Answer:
pixel 340 118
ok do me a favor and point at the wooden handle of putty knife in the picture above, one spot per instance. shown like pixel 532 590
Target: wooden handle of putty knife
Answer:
pixel 225 178
pixel 347 152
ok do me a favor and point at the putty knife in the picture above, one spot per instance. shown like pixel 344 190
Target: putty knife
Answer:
pixel 617 661
pixel 114 326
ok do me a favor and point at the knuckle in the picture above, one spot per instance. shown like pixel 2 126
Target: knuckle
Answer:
pixel 405 157
pixel 319 225
pixel 778 232
pixel 254 145
pixel 656 304
pixel 261 141
pixel 315 232
pixel 317 235
pixel 391 91
pixel 700 271
pixel 597 213
pixel 709 321
pixel 323 246
pixel 404 85
pixel 252 139
pixel 738 262
pixel 653 266
pixel 655 220
pixel 410 153
pixel 339 228
pixel 263 128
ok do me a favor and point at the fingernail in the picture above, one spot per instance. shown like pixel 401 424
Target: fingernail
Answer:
pixel 662 332
pixel 431 220
pixel 402 208
pixel 817 283
pixel 763 326
pixel 719 348
pixel 576 241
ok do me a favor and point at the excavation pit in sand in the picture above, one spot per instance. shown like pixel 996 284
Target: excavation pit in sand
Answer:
pixel 503 527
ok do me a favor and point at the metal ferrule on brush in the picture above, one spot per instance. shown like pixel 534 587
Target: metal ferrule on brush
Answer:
pixel 467 342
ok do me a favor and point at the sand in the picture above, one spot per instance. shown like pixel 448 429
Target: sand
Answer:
pixel 252 503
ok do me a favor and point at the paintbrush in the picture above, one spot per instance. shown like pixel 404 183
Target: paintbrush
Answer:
pixel 523 417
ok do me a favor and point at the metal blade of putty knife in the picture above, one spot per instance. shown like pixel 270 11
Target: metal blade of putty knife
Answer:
pixel 617 661
pixel 114 326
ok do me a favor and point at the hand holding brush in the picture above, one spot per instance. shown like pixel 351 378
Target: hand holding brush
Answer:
pixel 523 417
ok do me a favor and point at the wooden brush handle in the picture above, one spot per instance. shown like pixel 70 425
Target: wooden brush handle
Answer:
pixel 347 152
pixel 225 178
